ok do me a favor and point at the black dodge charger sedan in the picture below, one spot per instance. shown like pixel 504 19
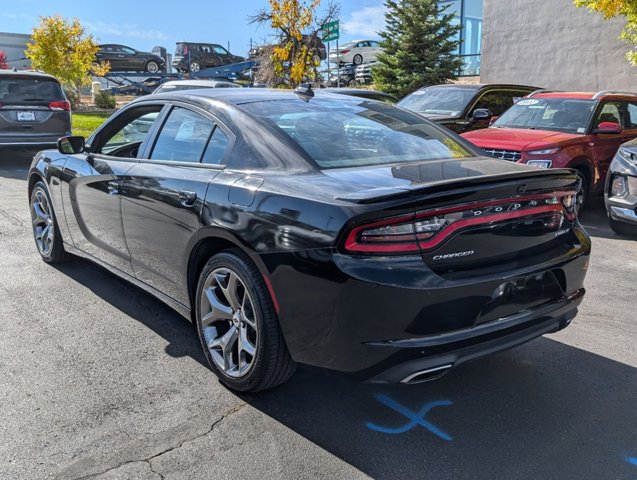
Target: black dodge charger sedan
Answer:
pixel 333 231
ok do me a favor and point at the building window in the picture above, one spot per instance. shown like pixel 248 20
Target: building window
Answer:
pixel 469 16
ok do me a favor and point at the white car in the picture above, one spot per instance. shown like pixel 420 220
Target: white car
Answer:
pixel 356 52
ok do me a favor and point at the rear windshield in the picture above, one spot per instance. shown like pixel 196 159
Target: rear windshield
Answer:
pixel 352 133
pixel 27 90
pixel 181 49
pixel 567 115
pixel 438 101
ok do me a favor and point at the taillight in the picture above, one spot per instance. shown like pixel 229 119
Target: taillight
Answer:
pixel 60 105
pixel 344 52
pixel 184 50
pixel 426 230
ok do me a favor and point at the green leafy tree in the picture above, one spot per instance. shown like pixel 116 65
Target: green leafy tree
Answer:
pixel 420 45
pixel 618 8
pixel 295 57
pixel 62 48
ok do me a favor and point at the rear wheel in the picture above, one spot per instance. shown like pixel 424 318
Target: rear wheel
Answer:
pixel 152 66
pixel 238 326
pixel 622 228
pixel 358 59
pixel 45 227
pixel 195 67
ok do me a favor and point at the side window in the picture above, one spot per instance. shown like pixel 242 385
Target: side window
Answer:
pixel 128 51
pixel 493 101
pixel 183 137
pixel 610 112
pixel 632 115
pixel 124 139
pixel 217 147
pixel 220 50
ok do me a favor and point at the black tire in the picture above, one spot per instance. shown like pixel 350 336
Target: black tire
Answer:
pixel 152 66
pixel 49 244
pixel 270 364
pixel 358 59
pixel 621 228
pixel 583 197
pixel 194 66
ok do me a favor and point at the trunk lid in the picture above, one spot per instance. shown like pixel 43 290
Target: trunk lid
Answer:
pixel 464 215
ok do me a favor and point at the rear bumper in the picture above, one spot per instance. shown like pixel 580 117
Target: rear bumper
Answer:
pixel 31 140
pixel 521 328
pixel 383 319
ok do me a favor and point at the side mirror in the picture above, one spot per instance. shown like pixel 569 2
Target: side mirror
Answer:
pixel 608 127
pixel 479 114
pixel 70 145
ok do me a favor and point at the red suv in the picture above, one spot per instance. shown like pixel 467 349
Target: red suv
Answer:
pixel 563 130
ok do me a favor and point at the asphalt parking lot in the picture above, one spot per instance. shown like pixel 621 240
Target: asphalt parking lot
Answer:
pixel 101 380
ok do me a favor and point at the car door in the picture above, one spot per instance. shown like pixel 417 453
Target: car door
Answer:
pixel 163 197
pixel 605 145
pixel 93 182
pixel 130 60
pixel 108 53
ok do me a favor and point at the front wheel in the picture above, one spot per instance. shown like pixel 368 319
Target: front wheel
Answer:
pixel 45 227
pixel 238 325
pixel 584 192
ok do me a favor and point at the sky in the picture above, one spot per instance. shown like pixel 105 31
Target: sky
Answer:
pixel 145 24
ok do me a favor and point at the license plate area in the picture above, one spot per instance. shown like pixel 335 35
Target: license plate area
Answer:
pixel 26 117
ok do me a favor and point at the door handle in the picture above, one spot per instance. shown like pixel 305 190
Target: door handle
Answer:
pixel 113 187
pixel 187 198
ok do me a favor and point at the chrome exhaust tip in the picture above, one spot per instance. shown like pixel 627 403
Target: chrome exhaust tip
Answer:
pixel 427 374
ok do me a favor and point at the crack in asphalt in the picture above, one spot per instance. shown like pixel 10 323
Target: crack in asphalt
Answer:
pixel 149 460
pixel 17 221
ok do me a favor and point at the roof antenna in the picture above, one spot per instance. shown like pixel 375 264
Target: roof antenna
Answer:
pixel 304 92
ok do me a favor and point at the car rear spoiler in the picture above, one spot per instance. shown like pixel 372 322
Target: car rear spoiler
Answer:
pixel 382 194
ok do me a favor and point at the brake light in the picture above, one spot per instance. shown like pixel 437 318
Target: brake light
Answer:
pixel 184 50
pixel 60 105
pixel 428 229
pixel 344 51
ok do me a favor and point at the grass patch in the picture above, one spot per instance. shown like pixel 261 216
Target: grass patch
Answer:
pixel 85 123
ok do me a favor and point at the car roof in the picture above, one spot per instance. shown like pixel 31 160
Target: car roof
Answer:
pixel 481 86
pixel 586 95
pixel 27 73
pixel 239 96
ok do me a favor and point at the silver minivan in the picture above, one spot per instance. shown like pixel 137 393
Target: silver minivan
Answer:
pixel 33 109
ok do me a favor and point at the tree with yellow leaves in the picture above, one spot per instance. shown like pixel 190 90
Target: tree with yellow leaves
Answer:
pixel 62 48
pixel 616 8
pixel 297 56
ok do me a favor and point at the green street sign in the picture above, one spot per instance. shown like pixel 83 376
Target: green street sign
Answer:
pixel 330 31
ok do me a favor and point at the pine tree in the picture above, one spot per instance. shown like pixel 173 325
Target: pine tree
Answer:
pixel 420 44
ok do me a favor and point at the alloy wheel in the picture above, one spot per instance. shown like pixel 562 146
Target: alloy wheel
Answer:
pixel 228 322
pixel 42 221
pixel 194 67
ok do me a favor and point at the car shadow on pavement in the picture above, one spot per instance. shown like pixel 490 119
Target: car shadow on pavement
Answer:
pixel 543 410
pixel 138 305
pixel 15 163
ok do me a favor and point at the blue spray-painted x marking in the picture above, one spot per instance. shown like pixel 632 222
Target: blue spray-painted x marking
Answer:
pixel 415 418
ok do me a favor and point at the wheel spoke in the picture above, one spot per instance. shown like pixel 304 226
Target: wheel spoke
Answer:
pixel 226 343
pixel 229 287
pixel 218 311
pixel 244 343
